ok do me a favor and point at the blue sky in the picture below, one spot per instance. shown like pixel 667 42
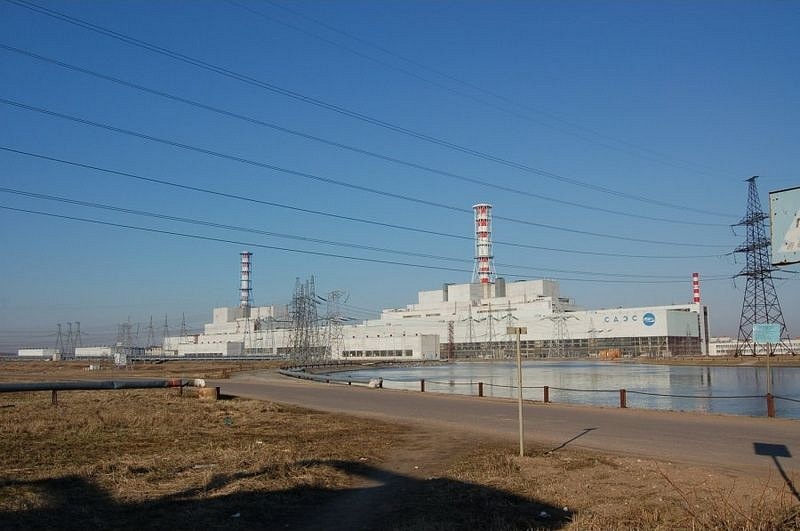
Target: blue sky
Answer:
pixel 667 102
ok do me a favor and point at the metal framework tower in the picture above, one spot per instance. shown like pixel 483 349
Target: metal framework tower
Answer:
pixel 470 325
pixel 760 304
pixel 184 329
pixel 490 347
pixel 483 271
pixel 335 319
pixel 304 332
pixel 509 318
pixel 151 334
pixel 60 341
pixel 560 334
pixel 451 340
pixel 78 340
pixel 165 329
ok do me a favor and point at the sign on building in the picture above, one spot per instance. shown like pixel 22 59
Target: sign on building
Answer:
pixel 784 224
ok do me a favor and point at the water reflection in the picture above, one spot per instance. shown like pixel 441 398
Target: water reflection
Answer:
pixel 708 389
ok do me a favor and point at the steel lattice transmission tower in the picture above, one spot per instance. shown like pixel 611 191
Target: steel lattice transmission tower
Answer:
pixel 304 332
pixel 760 304
pixel 335 319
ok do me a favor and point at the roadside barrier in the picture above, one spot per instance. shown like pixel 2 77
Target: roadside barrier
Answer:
pixel 479 389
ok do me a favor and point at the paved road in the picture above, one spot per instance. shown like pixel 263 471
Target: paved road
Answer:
pixel 722 442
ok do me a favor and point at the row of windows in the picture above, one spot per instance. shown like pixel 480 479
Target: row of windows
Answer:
pixel 629 346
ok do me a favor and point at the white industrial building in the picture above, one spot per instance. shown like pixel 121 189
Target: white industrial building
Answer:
pixel 461 320
pixel 42 353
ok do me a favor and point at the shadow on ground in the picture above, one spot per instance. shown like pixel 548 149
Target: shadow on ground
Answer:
pixel 386 501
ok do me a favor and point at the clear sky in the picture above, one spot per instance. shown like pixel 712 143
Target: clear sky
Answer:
pixel 612 138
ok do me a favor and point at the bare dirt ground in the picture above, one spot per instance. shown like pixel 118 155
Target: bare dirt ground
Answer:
pixel 155 459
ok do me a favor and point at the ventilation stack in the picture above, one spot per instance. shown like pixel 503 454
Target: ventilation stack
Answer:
pixel 245 287
pixel 696 288
pixel 484 265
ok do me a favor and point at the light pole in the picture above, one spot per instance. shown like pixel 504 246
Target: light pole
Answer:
pixel 519 330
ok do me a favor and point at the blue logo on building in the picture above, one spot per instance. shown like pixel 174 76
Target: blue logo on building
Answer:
pixel 649 319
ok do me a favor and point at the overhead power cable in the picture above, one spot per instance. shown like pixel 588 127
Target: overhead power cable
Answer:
pixel 306 238
pixel 571 129
pixel 339 145
pixel 339 216
pixel 336 182
pixel 347 112
pixel 313 253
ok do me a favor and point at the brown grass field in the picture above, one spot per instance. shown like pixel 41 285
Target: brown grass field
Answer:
pixel 159 459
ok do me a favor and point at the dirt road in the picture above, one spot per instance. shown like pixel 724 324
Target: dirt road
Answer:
pixel 717 441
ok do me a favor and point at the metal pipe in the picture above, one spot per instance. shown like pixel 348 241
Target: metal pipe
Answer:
pixel 92 385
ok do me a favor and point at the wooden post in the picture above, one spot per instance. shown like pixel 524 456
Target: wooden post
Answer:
pixel 422 386
pixel 546 394
pixel 623 398
pixel 770 405
pixel 54 397
pixel 480 388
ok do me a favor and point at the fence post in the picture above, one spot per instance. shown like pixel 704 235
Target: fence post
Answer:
pixel 480 389
pixel 770 405
pixel 54 397
pixel 546 394
pixel 623 398
pixel 422 386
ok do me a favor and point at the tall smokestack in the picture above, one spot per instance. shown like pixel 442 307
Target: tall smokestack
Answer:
pixel 245 288
pixel 484 266
pixel 696 288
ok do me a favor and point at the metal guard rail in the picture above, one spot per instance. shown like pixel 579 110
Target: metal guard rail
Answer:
pixel 299 372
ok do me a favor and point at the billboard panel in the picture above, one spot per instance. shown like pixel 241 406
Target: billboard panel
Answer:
pixel 784 217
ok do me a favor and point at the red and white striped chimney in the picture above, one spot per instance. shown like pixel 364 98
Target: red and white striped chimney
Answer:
pixel 696 288
pixel 484 266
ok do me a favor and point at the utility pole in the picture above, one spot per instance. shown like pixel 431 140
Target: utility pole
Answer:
pixel 518 331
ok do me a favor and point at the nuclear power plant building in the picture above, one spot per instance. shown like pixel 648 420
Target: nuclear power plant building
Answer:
pixel 455 321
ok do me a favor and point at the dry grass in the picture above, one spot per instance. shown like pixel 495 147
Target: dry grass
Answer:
pixel 152 458
pixel 35 370
pixel 111 454
pixel 603 493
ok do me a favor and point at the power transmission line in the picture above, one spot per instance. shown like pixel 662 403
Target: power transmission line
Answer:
pixel 314 253
pixel 342 110
pixel 347 147
pixel 301 238
pixel 342 217
pixel 624 145
pixel 334 182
